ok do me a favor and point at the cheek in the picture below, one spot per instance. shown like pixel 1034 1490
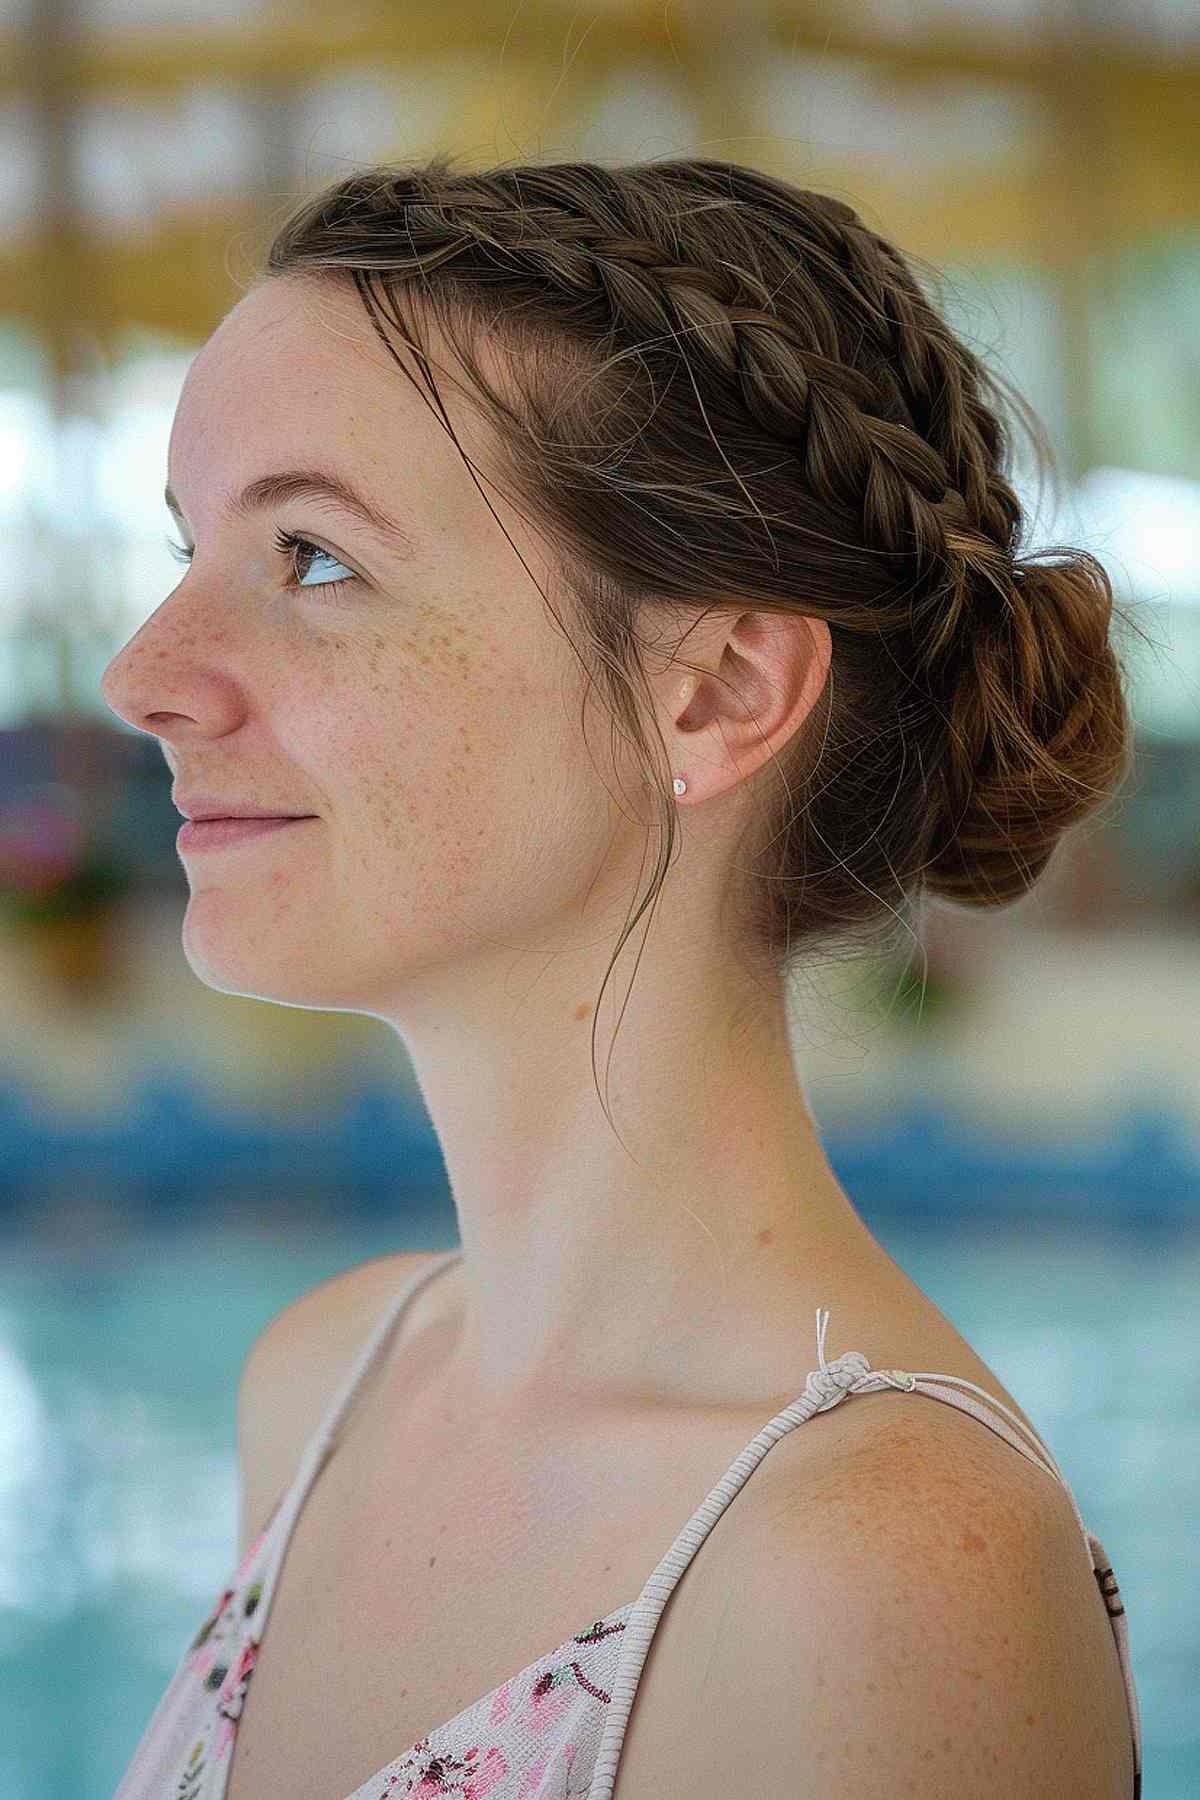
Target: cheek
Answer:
pixel 434 728
pixel 398 757
pixel 448 823
pixel 461 793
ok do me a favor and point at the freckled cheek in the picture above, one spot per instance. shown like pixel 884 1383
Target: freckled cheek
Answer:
pixel 392 780
pixel 466 707
pixel 424 738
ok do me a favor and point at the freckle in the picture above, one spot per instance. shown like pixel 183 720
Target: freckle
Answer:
pixel 1029 1718
pixel 766 1237
pixel 945 1743
pixel 870 1687
pixel 971 1540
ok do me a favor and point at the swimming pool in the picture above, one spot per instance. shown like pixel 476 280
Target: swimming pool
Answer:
pixel 119 1361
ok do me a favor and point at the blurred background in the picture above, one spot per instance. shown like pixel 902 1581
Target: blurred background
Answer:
pixel 1018 1118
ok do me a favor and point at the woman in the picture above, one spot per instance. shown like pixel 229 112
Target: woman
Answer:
pixel 757 496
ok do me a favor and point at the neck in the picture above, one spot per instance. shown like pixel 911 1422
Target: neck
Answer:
pixel 677 1262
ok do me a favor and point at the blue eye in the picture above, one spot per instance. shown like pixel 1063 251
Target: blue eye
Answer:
pixel 290 544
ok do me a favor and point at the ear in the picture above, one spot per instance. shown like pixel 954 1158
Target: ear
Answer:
pixel 736 690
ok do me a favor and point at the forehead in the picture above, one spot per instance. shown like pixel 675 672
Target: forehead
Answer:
pixel 293 355
pixel 295 375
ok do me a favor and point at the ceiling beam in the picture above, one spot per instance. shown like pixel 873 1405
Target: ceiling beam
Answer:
pixel 289 48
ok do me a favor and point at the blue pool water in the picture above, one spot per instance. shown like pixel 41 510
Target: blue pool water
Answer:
pixel 119 1361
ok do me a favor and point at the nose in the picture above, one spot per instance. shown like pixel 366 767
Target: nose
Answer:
pixel 144 683
pixel 110 688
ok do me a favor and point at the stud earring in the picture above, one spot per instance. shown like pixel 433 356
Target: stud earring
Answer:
pixel 680 785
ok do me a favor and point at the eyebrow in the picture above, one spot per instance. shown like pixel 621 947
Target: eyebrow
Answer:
pixel 309 484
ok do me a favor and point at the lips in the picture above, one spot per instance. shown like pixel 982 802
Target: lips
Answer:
pixel 218 833
pixel 198 807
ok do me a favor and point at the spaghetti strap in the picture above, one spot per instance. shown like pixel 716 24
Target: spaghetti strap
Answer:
pixel 322 1442
pixel 826 1387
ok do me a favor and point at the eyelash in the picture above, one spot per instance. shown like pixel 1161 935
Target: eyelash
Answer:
pixel 287 543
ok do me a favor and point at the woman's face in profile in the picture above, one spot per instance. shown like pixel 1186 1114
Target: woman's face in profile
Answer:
pixel 408 693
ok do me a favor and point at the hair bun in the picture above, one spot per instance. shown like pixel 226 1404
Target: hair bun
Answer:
pixel 1039 733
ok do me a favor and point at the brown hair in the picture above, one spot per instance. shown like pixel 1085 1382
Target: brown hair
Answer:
pixel 729 392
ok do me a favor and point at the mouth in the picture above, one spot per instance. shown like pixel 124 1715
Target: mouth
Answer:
pixel 220 834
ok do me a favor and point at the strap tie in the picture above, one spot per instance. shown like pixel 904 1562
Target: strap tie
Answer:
pixel 828 1384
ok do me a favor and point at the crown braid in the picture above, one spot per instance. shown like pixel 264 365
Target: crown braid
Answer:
pixel 923 489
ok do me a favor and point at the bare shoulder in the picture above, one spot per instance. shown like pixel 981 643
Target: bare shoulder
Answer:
pixel 293 1367
pixel 914 1613
pixel 331 1316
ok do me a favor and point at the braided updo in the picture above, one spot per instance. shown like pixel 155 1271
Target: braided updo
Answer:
pixel 729 392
